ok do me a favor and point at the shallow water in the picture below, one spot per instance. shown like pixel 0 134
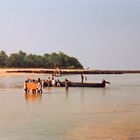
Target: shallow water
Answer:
pixel 77 114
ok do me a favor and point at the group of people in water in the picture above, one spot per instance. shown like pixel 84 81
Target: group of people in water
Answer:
pixel 36 86
pixel 52 82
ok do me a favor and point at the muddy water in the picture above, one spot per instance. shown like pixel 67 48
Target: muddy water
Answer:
pixel 77 114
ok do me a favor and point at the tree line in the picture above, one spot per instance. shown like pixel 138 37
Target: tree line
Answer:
pixel 23 60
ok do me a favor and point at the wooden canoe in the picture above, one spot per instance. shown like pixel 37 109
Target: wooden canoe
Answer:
pixel 79 84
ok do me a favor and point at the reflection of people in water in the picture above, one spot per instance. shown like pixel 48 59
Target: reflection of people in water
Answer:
pixel 33 96
pixel 67 93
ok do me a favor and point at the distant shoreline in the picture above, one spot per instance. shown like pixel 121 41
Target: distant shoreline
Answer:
pixel 70 71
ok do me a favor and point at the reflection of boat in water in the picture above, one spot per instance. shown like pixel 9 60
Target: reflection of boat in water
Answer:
pixel 80 84
pixel 33 96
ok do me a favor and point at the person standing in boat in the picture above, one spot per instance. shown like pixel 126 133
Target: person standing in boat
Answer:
pixel 82 78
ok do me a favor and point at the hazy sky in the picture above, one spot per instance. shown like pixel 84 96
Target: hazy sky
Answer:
pixel 102 34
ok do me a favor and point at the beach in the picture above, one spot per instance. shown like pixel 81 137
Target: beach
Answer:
pixel 59 71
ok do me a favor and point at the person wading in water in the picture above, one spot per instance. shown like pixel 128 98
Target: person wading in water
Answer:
pixel 82 78
pixel 66 84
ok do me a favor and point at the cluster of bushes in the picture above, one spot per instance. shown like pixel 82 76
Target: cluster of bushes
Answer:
pixel 23 60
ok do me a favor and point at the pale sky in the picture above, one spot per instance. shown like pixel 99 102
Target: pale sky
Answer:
pixel 102 34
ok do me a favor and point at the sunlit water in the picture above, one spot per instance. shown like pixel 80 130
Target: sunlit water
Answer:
pixel 77 114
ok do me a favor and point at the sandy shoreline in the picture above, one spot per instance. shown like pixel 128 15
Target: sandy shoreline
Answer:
pixel 5 71
pixel 66 71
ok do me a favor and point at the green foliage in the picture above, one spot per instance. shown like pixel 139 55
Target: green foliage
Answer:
pixel 3 59
pixel 17 60
pixel 53 60
pixel 34 61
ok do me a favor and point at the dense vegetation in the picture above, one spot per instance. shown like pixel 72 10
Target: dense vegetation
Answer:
pixel 23 60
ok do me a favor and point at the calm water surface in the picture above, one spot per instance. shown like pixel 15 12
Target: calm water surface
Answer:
pixel 77 114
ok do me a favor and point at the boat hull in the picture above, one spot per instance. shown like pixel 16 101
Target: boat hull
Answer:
pixel 78 84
